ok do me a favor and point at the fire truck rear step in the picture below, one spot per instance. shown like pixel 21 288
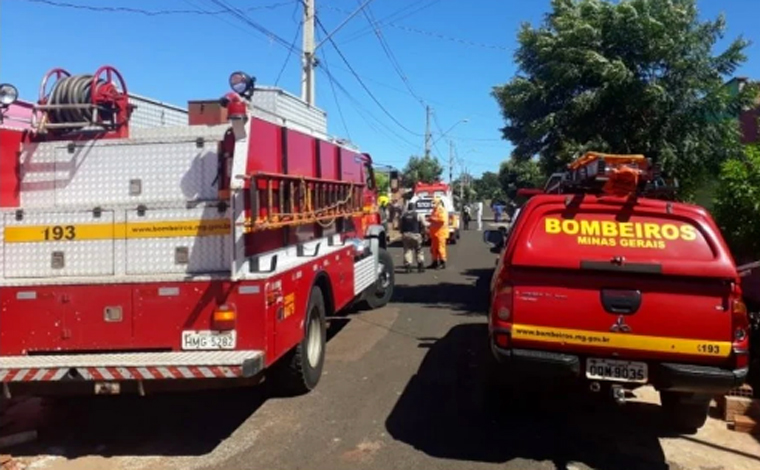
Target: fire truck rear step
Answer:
pixel 132 366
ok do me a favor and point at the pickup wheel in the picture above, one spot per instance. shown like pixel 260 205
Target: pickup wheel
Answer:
pixel 685 412
pixel 379 294
pixel 299 371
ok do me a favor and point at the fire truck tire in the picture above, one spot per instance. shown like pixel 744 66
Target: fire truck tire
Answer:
pixel 685 412
pixel 299 371
pixel 379 294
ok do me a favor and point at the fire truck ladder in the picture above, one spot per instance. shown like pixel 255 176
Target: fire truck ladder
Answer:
pixel 279 201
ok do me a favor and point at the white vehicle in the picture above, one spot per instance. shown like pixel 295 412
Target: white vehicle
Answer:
pixel 424 205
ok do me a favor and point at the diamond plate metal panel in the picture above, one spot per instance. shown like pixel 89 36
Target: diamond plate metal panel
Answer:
pixel 152 113
pixel 364 274
pixel 138 173
pixel 78 258
pixel 204 254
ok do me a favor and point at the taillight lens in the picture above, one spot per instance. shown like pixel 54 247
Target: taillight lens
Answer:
pixel 740 326
pixel 224 318
pixel 501 309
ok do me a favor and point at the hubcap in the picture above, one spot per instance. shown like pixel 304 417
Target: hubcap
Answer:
pixel 314 343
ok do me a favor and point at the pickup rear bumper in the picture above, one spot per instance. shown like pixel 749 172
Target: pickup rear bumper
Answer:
pixel 666 376
pixel 131 366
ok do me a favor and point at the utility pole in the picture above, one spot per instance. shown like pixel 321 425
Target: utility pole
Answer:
pixel 451 161
pixel 308 93
pixel 428 137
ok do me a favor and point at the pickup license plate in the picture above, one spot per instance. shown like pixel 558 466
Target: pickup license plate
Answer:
pixel 206 339
pixel 618 371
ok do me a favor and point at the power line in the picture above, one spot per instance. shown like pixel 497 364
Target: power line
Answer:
pixel 361 82
pixel 394 17
pixel 361 110
pixel 290 52
pixel 153 12
pixel 434 34
pixel 335 96
pixel 389 53
pixel 236 12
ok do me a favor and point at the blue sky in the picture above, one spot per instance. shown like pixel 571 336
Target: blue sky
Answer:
pixel 451 51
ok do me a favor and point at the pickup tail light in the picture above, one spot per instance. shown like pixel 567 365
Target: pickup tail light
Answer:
pixel 501 308
pixel 224 318
pixel 740 333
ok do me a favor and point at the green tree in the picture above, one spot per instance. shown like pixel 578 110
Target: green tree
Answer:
pixel 488 187
pixel 421 169
pixel 737 204
pixel 383 181
pixel 633 76
pixel 515 174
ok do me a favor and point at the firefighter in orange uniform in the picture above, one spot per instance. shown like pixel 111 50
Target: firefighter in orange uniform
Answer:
pixel 439 233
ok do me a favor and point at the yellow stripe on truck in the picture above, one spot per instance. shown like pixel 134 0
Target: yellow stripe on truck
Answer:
pixel 132 230
pixel 622 341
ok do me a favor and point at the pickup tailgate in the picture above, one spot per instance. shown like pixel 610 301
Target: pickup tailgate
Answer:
pixel 631 282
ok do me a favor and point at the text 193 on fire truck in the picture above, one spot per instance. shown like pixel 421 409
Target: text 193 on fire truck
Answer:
pixel 138 259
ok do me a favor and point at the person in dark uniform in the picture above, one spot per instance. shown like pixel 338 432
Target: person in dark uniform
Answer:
pixel 412 226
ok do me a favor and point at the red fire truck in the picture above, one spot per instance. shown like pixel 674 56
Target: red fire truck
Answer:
pixel 138 258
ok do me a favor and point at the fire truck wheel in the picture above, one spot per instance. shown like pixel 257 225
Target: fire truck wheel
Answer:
pixel 685 412
pixel 299 371
pixel 380 293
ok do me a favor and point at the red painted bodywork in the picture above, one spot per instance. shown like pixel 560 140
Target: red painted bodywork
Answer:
pixel 10 144
pixel 70 318
pixel 430 188
pixel 550 289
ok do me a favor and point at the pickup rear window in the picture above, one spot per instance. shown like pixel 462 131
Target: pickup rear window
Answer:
pixel 680 240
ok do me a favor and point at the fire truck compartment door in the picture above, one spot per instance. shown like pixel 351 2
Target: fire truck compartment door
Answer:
pixel 178 240
pixel 58 244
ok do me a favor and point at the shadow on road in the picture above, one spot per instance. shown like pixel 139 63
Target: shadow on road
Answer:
pixel 453 409
pixel 191 423
pixel 469 297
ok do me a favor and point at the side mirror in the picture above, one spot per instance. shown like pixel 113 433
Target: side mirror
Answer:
pixel 495 238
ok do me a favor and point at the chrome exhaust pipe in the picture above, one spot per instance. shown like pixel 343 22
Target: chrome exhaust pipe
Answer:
pixel 595 387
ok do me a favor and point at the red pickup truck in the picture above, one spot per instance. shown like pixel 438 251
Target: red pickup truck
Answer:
pixel 620 292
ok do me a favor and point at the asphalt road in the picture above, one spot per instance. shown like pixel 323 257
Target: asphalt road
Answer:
pixel 406 386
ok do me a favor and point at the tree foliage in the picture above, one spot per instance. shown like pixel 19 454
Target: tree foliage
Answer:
pixel 633 76
pixel 383 181
pixel 421 169
pixel 737 204
pixel 488 186
pixel 515 174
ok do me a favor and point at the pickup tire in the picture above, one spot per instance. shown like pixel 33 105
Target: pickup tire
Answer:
pixel 685 412
pixel 380 293
pixel 299 371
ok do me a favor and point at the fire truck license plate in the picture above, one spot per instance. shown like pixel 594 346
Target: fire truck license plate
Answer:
pixel 196 340
pixel 619 371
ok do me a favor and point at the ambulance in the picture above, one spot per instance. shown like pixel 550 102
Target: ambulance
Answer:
pixel 605 286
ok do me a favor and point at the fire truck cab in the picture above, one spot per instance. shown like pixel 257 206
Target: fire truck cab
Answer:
pixel 134 258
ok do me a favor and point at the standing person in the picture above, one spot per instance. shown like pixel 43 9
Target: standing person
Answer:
pixel 466 216
pixel 439 233
pixel 412 225
pixel 479 212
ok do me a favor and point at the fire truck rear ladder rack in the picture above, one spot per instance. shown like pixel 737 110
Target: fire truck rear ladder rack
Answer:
pixel 291 200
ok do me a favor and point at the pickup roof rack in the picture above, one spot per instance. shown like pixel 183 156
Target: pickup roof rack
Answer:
pixel 609 174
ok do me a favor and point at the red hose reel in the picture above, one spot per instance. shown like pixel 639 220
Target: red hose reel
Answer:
pixel 70 103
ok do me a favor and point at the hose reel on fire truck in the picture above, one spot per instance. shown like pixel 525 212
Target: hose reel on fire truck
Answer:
pixel 74 102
